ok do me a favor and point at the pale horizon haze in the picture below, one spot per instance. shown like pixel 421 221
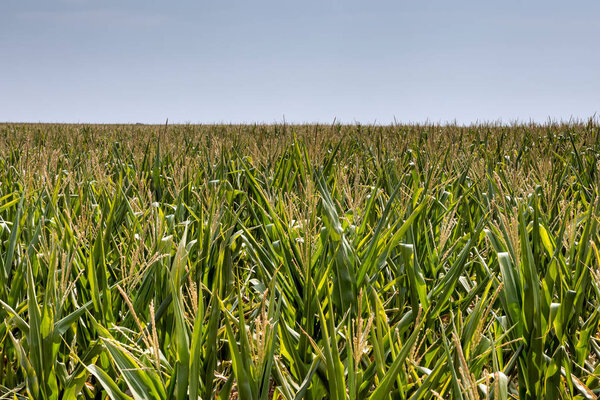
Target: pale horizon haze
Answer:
pixel 260 61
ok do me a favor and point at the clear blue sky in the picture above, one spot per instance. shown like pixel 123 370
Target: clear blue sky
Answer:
pixel 258 61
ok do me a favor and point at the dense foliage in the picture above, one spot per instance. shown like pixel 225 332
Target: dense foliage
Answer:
pixel 299 262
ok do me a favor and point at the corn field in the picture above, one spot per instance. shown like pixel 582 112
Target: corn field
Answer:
pixel 260 262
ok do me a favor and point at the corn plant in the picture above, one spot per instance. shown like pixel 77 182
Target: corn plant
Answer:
pixel 296 262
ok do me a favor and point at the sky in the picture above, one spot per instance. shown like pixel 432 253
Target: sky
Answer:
pixel 267 61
